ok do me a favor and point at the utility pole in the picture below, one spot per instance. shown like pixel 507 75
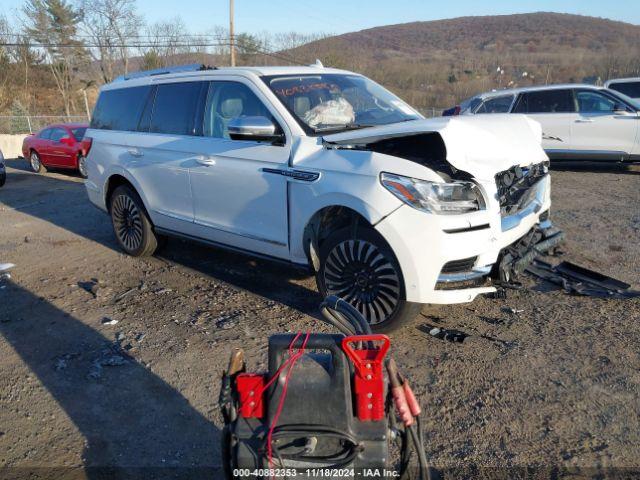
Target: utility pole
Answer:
pixel 232 39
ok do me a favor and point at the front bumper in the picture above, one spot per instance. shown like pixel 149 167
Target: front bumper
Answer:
pixel 425 243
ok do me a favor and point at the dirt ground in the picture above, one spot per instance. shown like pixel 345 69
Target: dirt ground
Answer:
pixel 555 385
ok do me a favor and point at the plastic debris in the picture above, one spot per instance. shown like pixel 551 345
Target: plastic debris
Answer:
pixel 511 310
pixel 455 336
pixel 578 280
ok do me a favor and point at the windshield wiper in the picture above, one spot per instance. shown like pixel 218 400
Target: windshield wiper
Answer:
pixel 351 126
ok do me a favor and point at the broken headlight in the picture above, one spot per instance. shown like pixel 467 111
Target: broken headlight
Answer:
pixel 435 197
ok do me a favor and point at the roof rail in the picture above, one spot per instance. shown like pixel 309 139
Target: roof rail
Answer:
pixel 194 67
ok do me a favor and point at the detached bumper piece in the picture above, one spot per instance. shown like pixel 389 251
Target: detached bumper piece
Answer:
pixel 517 257
pixel 578 280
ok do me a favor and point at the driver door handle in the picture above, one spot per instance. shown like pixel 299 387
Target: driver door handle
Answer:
pixel 205 160
pixel 134 152
pixel 584 120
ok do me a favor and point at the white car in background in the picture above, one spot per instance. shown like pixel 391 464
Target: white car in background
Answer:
pixel 580 122
pixel 627 86
pixel 323 169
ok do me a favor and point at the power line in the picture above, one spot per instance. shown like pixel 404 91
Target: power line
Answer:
pixel 250 49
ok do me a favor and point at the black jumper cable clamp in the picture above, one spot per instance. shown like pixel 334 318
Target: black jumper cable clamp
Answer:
pixel 323 407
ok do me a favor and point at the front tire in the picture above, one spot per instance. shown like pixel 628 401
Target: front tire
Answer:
pixel 362 269
pixel 131 224
pixel 36 163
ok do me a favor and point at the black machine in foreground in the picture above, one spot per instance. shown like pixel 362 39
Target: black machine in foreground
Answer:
pixel 323 409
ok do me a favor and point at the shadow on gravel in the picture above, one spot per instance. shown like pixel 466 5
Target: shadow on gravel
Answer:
pixel 262 277
pixel 64 203
pixel 596 167
pixel 59 202
pixel 135 424
pixel 23 165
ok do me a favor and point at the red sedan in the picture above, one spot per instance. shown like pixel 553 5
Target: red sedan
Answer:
pixel 58 146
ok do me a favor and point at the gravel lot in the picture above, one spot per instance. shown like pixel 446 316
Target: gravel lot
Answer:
pixel 555 385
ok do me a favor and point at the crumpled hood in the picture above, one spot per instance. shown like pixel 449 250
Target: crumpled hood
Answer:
pixel 481 145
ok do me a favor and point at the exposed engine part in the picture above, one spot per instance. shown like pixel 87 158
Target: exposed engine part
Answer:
pixel 514 259
pixel 579 280
pixel 427 149
pixel 514 185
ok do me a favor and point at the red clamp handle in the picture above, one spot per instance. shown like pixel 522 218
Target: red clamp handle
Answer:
pixel 369 377
pixel 250 387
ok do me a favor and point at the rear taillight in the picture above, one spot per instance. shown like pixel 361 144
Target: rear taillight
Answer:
pixel 86 145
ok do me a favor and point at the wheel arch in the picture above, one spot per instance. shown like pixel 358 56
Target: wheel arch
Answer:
pixel 117 179
pixel 326 220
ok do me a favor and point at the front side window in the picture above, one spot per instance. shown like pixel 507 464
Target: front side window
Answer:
pixel 496 105
pixel 337 102
pixel 120 109
pixel 630 89
pixel 175 108
pixel 594 102
pixel 227 101
pixel 546 101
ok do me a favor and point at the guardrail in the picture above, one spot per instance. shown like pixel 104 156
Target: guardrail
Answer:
pixel 430 112
pixel 22 124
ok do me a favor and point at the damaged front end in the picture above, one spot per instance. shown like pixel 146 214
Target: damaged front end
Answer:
pixel 515 258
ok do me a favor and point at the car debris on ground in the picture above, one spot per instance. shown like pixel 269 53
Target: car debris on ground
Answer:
pixel 578 280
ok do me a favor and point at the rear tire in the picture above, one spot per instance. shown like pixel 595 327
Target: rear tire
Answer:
pixel 82 166
pixel 36 163
pixel 363 270
pixel 131 224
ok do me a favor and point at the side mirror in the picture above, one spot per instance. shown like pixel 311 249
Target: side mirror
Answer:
pixel 258 129
pixel 67 140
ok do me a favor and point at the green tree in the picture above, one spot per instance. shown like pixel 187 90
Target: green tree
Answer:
pixel 53 25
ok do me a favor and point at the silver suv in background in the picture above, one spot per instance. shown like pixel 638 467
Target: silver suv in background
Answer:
pixel 581 122
pixel 627 86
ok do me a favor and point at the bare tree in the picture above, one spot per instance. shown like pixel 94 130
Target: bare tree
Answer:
pixel 165 40
pixel 52 24
pixel 112 26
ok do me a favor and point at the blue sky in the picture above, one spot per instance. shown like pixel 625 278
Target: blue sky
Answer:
pixel 339 16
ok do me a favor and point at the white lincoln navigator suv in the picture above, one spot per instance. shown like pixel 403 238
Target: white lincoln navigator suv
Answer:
pixel 321 168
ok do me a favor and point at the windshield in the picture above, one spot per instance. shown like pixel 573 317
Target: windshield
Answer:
pixel 632 101
pixel 336 102
pixel 470 104
pixel 78 133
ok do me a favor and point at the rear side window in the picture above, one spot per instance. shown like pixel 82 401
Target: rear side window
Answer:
pixel 78 133
pixel 630 89
pixel 57 134
pixel 45 134
pixel 546 101
pixel 496 105
pixel 176 107
pixel 120 109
